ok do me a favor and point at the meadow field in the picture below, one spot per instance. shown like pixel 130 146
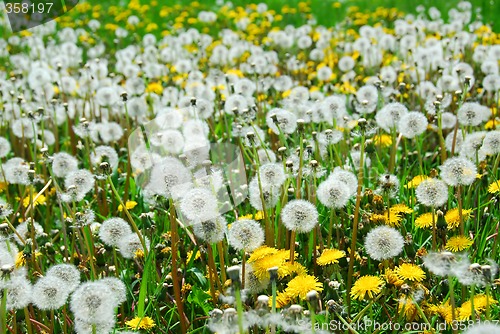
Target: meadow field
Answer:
pixel 236 167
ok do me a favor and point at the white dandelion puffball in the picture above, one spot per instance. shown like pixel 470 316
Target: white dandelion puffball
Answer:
pixel 383 242
pixel 412 124
pixel 472 114
pixel 286 121
pixel 19 292
pixel 93 302
pixel 199 204
pixel 245 234
pixel 130 244
pixel 432 192
pixel 333 193
pixel 68 273
pixel 299 215
pixel 117 287
pixel 112 230
pixel 50 293
pixel 63 164
pixel 272 174
pixel 211 231
pixel 458 171
pixel 4 147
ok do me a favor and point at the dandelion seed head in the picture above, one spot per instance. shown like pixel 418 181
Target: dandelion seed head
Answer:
pixel 93 302
pixel 4 147
pixel 333 193
pixel 388 117
pixel 472 114
pixel 130 244
pixel 117 287
pixel 458 171
pixel 412 124
pixel 199 204
pixel 246 235
pixel 63 163
pixel 383 242
pixel 50 293
pixel 19 292
pixel 432 192
pixel 112 230
pixel 299 215
pixel 67 273
pixel 211 231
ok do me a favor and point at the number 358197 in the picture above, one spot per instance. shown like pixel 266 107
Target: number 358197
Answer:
pixel 25 8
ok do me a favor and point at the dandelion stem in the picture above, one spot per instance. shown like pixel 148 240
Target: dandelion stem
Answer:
pixel 460 207
pixel 355 222
pixel 175 277
pixel 451 284
pixel 129 217
pixel 220 249
pixel 292 247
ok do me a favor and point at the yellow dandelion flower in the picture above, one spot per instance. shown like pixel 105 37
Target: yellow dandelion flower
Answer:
pixel 259 215
pixel 406 305
pixel 288 268
pixel 393 219
pixel 282 299
pixel 424 220
pixel 301 285
pixel 330 256
pixel 245 217
pixel 458 243
pixel 480 304
pixel 36 201
pixel 139 254
pixel 444 310
pixel 391 278
pixel 382 140
pixel 141 323
pixel 367 287
pixel 261 252
pixel 129 205
pixel 192 257
pixel 453 219
pixel 410 272
pixel 401 208
pixel 262 265
pixel 416 181
pixel 166 250
pixel 494 187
